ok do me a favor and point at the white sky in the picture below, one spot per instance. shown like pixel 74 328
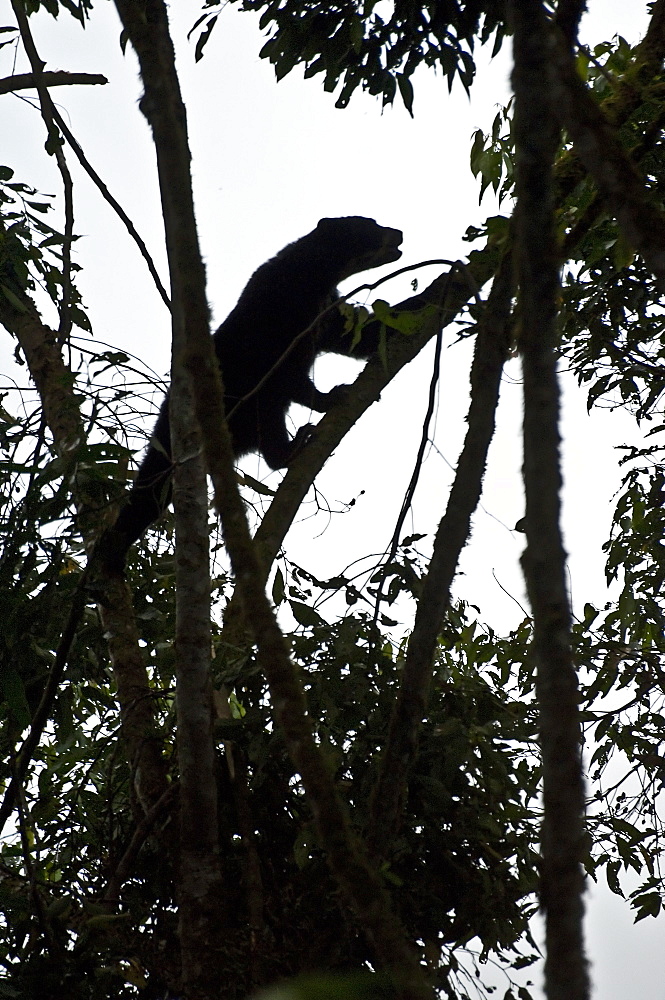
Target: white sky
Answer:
pixel 269 161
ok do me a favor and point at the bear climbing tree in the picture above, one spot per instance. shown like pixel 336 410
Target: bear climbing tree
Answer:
pixel 266 348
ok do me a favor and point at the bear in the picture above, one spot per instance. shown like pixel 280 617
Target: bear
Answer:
pixel 281 301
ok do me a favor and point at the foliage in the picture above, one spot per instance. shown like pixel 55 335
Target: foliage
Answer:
pixel 29 247
pixel 358 45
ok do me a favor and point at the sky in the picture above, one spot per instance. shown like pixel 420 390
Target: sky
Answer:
pixel 268 161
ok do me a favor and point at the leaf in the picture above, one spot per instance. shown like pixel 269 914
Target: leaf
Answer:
pixel 204 37
pixel 357 33
pixel 13 299
pixel 304 614
pixel 404 322
pixel 39 206
pixel 14 694
pixel 648 905
pixel 612 876
pixel 246 480
pixel 406 92
pixel 278 590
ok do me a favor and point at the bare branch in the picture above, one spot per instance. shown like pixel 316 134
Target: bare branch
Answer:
pixel 49 78
pixel 114 203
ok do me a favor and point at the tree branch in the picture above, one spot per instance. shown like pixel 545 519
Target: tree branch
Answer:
pixel 115 205
pixel 490 353
pixel 537 105
pixel 49 78
pixel 200 895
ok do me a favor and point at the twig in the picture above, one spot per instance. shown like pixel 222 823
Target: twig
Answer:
pixel 115 205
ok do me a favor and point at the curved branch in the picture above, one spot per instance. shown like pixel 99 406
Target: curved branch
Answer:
pixel 114 203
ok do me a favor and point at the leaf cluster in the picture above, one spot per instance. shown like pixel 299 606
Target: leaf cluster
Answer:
pixel 358 44
pixel 31 249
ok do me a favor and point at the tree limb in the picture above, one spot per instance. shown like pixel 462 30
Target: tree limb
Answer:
pixel 537 105
pixel 490 353
pixel 49 78
pixel 200 895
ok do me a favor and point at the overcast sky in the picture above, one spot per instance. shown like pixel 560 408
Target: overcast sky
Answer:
pixel 269 161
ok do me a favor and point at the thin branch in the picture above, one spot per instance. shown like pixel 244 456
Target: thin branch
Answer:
pixel 141 833
pixel 49 78
pixel 115 205
pixel 252 864
pixel 417 467
pixel 49 694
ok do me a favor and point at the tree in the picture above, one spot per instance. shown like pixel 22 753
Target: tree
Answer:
pixel 357 804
